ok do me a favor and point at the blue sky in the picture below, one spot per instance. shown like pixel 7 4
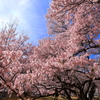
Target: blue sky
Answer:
pixel 30 14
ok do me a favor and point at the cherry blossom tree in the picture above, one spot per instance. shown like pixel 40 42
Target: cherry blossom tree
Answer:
pixel 57 59
pixel 60 64
pixel 71 49
pixel 19 70
pixel 14 54
pixel 63 13
pixel 78 22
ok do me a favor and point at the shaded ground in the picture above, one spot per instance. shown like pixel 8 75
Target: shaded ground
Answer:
pixel 44 98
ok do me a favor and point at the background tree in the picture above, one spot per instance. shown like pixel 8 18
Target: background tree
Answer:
pixel 14 54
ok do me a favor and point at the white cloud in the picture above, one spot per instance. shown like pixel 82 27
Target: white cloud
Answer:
pixel 25 12
pixel 16 9
pixel 13 8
